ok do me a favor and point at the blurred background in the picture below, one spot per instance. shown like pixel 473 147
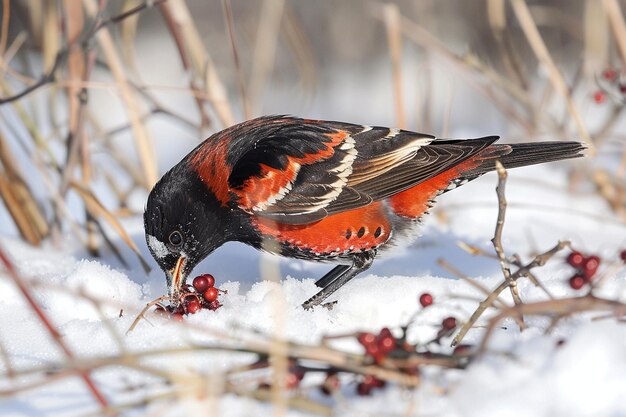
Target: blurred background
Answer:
pixel 100 98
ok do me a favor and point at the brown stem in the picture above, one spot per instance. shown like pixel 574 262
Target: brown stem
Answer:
pixel 497 237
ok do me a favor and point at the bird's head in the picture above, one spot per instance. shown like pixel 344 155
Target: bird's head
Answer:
pixel 183 224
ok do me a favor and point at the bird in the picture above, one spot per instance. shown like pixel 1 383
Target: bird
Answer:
pixel 315 190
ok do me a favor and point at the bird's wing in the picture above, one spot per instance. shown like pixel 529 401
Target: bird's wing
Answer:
pixel 298 171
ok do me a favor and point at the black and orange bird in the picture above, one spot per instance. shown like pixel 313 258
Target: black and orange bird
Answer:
pixel 315 190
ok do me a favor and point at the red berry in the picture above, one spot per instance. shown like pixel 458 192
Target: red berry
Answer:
pixel 622 255
pixel 201 283
pixel 210 279
pixel 331 384
pixel 387 344
pixel 211 294
pixel 426 299
pixel 292 380
pixel 576 259
pixel 599 97
pixel 385 332
pixel 449 323
pixel 214 305
pixel 373 382
pixel 622 88
pixel 177 317
pixel 577 282
pixel 609 74
pixel 590 266
pixel 373 350
pixel 193 307
pixel 363 389
pixel 366 339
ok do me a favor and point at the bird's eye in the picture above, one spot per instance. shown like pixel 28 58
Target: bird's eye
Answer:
pixel 176 239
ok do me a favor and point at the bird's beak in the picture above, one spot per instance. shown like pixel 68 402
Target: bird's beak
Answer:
pixel 177 277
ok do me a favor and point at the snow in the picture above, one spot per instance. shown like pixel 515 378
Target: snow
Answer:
pixel 524 374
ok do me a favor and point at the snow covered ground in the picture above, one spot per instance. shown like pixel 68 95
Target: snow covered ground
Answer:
pixel 525 374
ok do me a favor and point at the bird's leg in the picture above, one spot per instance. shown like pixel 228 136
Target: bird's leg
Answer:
pixel 339 276
pixel 332 275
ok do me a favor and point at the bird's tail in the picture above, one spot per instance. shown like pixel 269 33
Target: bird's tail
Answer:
pixel 523 154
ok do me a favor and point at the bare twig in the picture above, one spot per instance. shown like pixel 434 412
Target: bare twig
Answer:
pixel 141 316
pixel 497 237
pixel 539 260
pixel 559 308
pixel 47 78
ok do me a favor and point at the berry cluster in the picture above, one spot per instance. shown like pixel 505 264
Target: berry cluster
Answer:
pixel 378 346
pixel 615 81
pixel 202 294
pixel 586 268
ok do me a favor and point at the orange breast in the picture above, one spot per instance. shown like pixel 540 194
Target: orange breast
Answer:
pixel 350 231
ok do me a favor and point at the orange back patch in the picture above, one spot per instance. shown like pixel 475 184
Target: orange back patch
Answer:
pixel 211 165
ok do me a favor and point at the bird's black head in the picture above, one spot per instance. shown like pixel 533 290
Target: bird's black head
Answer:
pixel 184 223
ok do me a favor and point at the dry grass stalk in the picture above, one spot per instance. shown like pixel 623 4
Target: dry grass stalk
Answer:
pixel 128 32
pixel 142 138
pixel 265 50
pixel 230 23
pixel 618 26
pixel 201 62
pixel 96 209
pixel 4 30
pixel 477 73
pixel 176 33
pixel 545 58
pixel 596 39
pixel 301 48
pixel 394 39
pixel 612 190
pixel 19 200
pixel 496 14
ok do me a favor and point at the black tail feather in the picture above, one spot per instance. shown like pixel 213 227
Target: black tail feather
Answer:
pixel 524 154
